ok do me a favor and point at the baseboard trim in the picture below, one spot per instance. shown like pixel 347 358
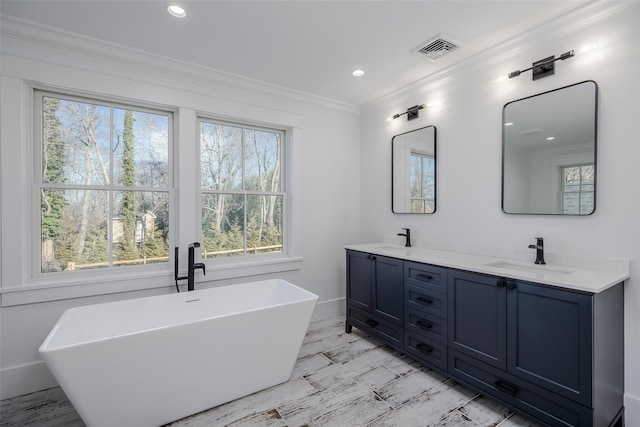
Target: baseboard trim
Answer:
pixel 328 309
pixel 25 379
pixel 631 410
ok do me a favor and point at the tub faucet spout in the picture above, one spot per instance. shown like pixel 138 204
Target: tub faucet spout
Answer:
pixel 539 247
pixel 193 266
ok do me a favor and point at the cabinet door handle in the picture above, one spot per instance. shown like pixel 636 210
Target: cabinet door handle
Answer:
pixel 510 284
pixel 372 323
pixel 424 277
pixel 424 324
pixel 424 301
pixel 424 348
pixel 501 283
pixel 507 388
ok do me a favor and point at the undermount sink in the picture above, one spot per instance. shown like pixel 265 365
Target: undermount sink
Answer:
pixel 530 268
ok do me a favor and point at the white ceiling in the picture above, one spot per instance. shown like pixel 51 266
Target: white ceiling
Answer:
pixel 305 45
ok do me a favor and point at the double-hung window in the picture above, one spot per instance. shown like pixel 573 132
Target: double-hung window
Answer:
pixel 242 189
pixel 103 180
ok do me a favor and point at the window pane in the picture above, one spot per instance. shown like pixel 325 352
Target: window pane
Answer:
pixel 74 229
pixel 571 203
pixel 264 224
pixel 427 178
pixel 262 161
pixel 140 227
pixel 75 142
pixel 140 148
pixel 222 225
pixel 586 203
pixel 220 156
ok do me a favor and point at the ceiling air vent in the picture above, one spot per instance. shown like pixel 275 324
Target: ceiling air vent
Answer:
pixel 437 47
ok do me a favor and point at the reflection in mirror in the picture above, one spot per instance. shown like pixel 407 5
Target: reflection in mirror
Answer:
pixel 413 170
pixel 549 152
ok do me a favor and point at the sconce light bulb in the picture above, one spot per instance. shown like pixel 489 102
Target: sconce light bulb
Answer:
pixel 499 79
pixel 389 119
pixel 588 47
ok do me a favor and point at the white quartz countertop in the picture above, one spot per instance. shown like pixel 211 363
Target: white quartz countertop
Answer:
pixel 563 276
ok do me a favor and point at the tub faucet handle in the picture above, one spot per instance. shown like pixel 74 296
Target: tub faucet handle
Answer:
pixel 200 265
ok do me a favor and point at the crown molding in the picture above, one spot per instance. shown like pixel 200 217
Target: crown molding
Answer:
pixel 33 41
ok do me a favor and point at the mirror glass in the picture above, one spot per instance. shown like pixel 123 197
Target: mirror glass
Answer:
pixel 549 152
pixel 413 166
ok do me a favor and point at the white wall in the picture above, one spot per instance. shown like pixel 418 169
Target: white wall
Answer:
pixel 467 115
pixel 325 168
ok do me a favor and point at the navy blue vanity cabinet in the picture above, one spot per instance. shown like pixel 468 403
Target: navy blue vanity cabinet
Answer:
pixel 374 296
pixel 555 354
pixel 425 313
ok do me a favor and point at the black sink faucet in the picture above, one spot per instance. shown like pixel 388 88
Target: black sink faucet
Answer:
pixel 539 247
pixel 193 266
pixel 407 243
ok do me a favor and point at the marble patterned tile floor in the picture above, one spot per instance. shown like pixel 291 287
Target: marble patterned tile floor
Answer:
pixel 339 380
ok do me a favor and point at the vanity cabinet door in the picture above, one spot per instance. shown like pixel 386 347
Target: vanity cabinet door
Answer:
pixel 388 288
pixel 478 317
pixel 549 335
pixel 359 280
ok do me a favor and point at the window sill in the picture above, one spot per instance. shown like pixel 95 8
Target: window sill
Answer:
pixel 104 283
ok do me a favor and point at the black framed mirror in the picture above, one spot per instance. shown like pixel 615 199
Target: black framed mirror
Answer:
pixel 549 143
pixel 413 171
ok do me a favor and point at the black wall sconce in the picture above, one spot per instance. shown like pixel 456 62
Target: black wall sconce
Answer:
pixel 544 67
pixel 412 113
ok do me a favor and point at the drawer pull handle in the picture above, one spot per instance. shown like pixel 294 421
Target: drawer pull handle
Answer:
pixel 507 388
pixel 372 323
pixel 424 325
pixel 424 277
pixel 424 301
pixel 424 348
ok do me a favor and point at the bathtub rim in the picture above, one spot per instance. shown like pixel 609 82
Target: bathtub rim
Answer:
pixel 44 350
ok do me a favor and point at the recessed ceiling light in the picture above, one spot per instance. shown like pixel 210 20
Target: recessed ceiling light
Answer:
pixel 357 73
pixel 177 11
pixel 551 138
pixel 509 124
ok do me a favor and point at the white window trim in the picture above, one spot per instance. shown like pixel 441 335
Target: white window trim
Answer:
pixel 37 184
pixel 226 262
pixel 18 287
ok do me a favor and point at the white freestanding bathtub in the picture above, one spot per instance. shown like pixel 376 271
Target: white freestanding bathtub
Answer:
pixel 149 361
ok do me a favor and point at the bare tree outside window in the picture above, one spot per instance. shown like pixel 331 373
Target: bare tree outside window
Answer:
pixel 242 191
pixel 104 184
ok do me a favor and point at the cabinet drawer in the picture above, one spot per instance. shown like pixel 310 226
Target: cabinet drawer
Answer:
pixel 425 276
pixel 389 333
pixel 426 301
pixel 425 324
pixel 539 403
pixel 426 350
